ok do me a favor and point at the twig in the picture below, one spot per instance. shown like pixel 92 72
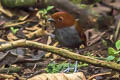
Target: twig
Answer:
pixel 100 74
pixel 58 51
pixel 116 34
pixel 10 69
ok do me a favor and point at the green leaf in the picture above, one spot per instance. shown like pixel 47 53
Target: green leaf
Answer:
pixel 117 44
pixel 45 11
pixel 52 68
pixel 13 30
pixel 111 51
pixel 50 7
pixel 110 58
pixel 41 11
pixel 118 60
pixel 82 65
pixel 117 52
pixel 83 6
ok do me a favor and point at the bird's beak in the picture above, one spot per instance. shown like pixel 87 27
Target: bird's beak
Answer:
pixel 51 20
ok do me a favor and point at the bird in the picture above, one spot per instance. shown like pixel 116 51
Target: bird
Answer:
pixel 68 32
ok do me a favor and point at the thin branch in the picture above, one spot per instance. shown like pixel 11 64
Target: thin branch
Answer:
pixel 58 51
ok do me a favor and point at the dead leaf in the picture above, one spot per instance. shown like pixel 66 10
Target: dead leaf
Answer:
pixel 7 58
pixel 38 33
pixel 6 77
pixel 49 41
pixel 12 57
pixel 12 24
pixel 10 77
pixel 2 40
pixel 6 11
pixel 22 18
pixel 33 28
pixel 11 37
pixel 38 15
pixel 116 75
pixel 20 34
pixel 59 76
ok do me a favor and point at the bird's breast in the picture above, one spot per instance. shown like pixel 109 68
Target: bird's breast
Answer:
pixel 68 37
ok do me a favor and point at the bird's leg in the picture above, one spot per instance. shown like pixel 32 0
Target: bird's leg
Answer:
pixel 74 68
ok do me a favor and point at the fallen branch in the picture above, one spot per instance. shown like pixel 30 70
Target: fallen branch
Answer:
pixel 10 70
pixel 100 74
pixel 59 51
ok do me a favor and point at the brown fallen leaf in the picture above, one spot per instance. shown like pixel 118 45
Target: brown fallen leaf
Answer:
pixel 59 76
pixel 12 24
pixel 6 11
pixel 2 40
pixel 33 28
pixel 11 37
pixel 6 77
pixel 49 41
pixel 10 57
pixel 22 18
pixel 37 33
pixel 10 77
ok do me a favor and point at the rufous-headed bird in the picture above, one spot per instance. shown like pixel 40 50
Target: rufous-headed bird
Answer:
pixel 67 30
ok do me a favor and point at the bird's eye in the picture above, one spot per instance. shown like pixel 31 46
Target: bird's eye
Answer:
pixel 60 19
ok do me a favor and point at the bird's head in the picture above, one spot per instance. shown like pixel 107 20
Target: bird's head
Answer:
pixel 65 20
pixel 62 19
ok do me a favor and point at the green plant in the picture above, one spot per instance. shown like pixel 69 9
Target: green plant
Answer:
pixel 114 53
pixel 55 68
pixel 14 30
pixel 43 12
pixel 82 65
pixel 43 16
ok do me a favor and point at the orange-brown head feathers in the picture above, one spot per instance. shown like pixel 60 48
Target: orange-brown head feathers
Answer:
pixel 63 19
pixel 67 30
